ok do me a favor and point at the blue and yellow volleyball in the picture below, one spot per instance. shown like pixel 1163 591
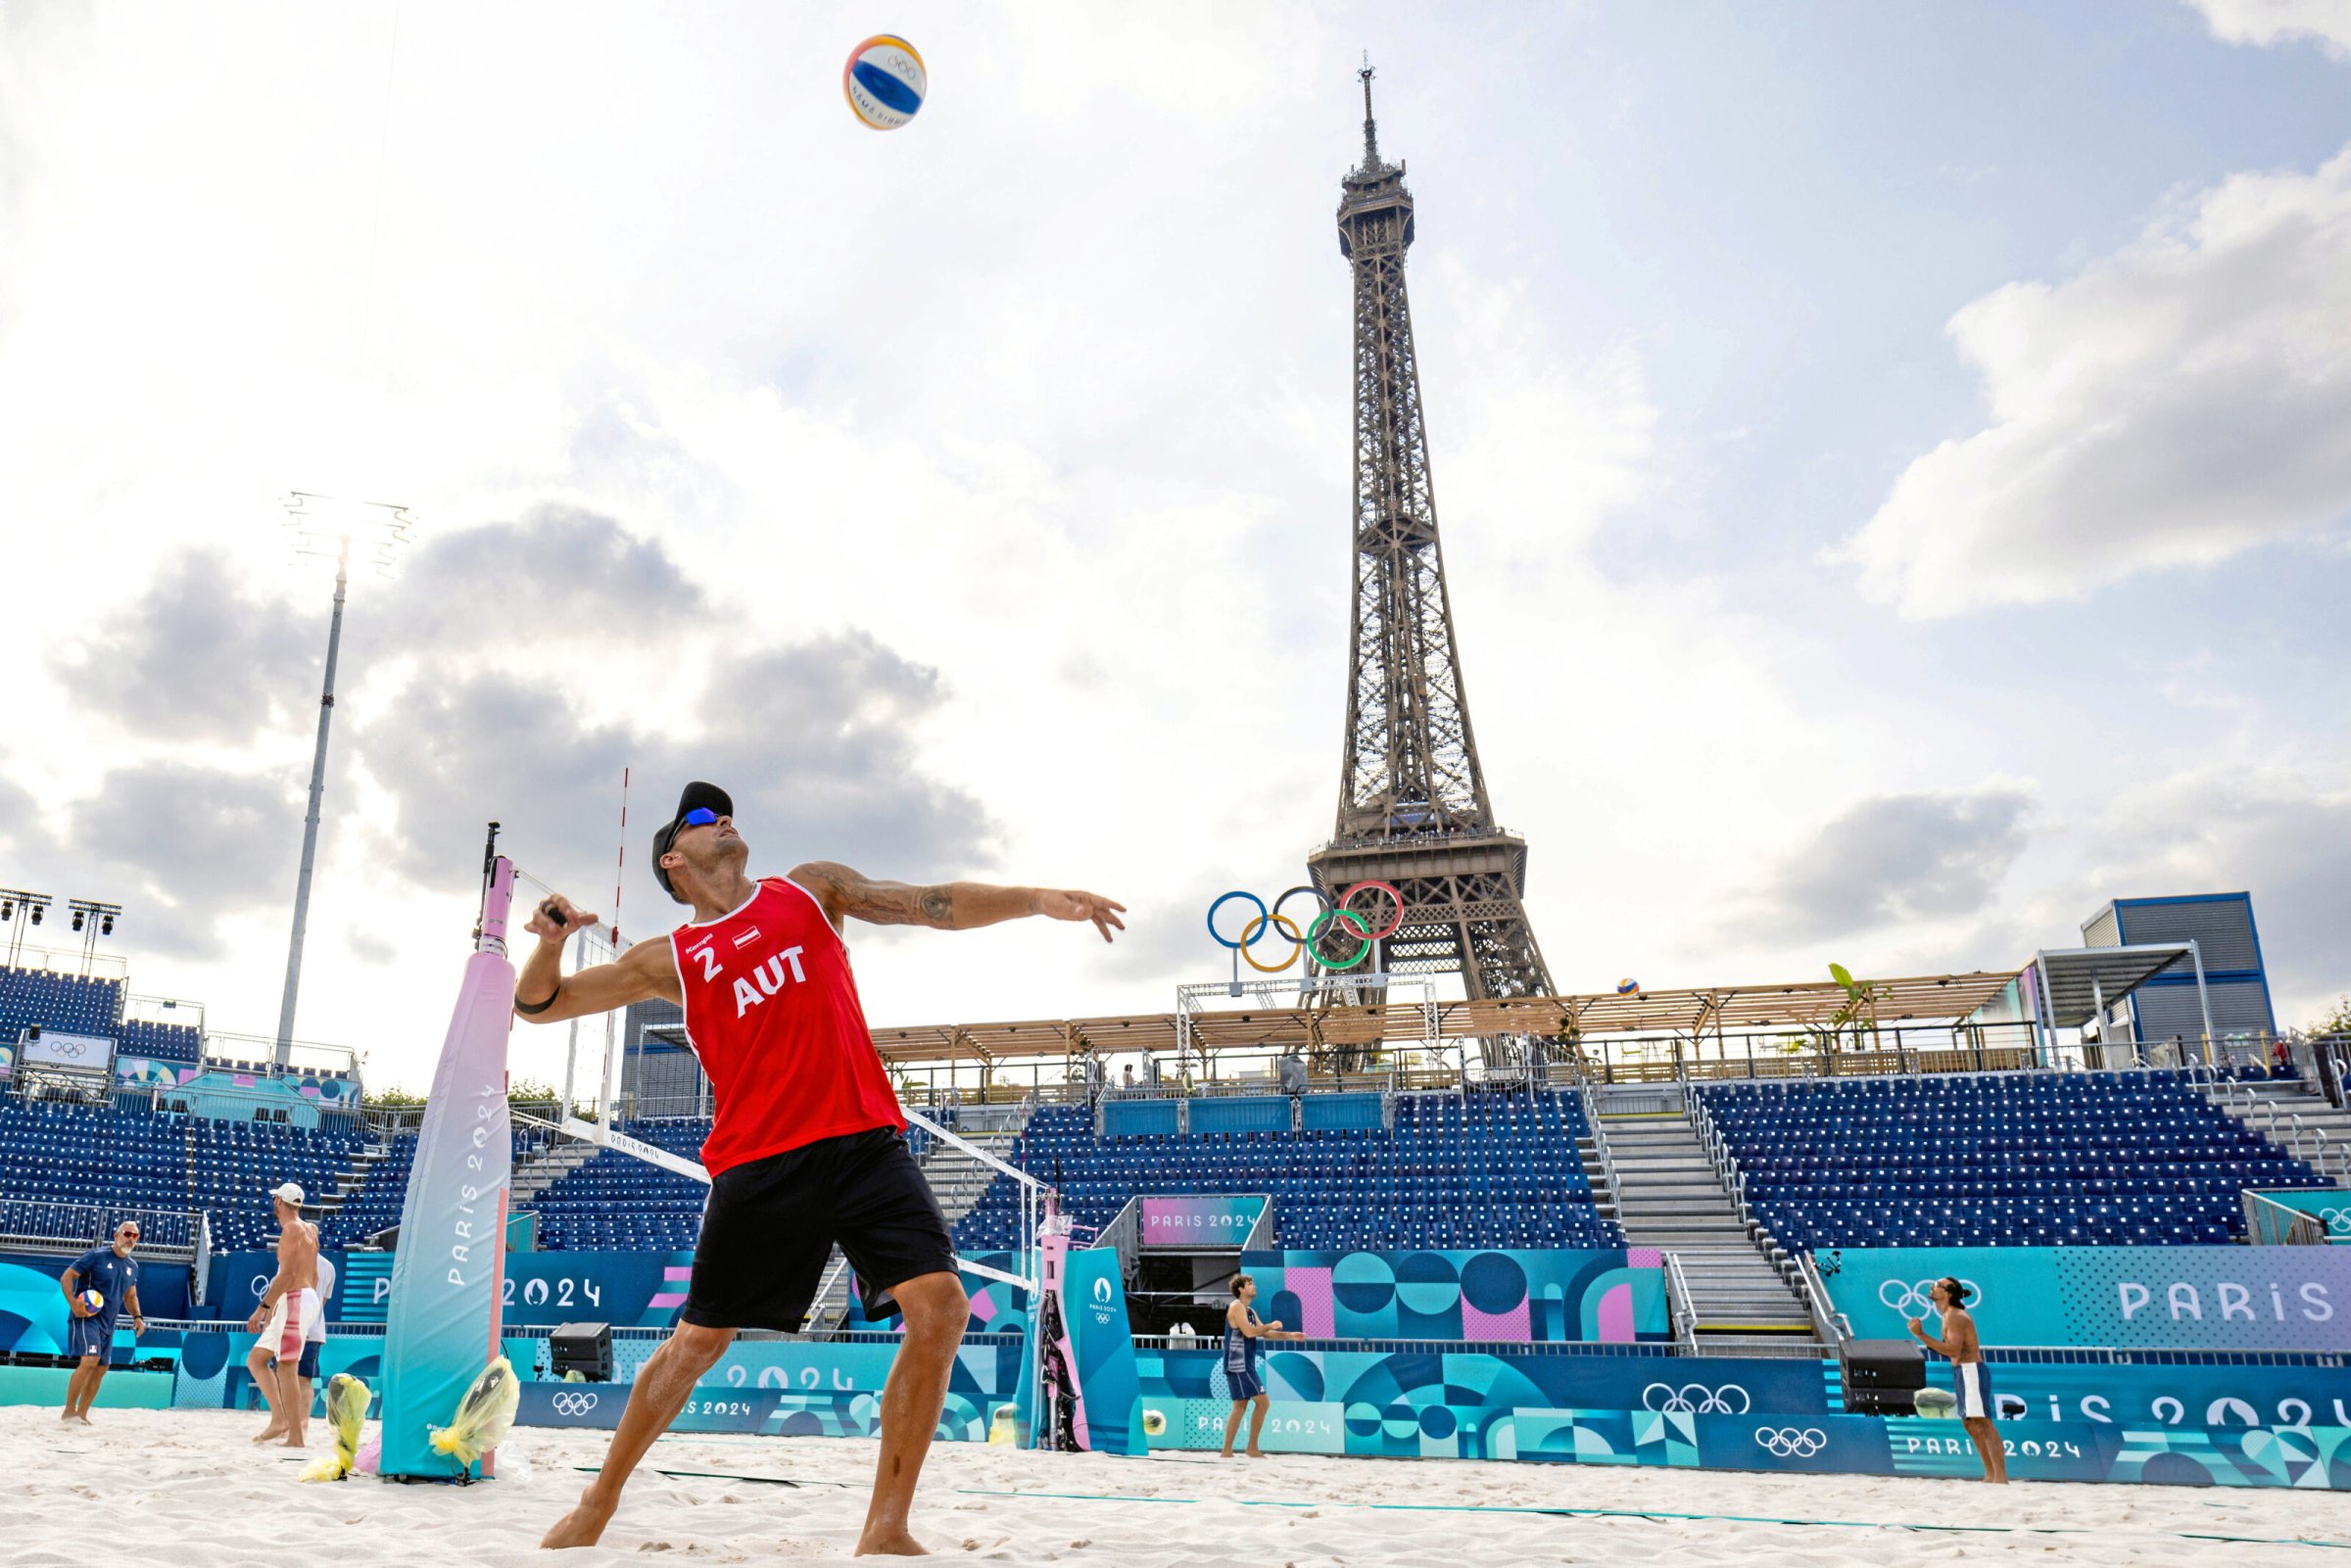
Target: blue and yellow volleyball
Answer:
pixel 885 81
pixel 1628 986
pixel 93 1301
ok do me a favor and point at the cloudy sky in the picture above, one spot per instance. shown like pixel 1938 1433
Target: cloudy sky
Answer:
pixel 1893 463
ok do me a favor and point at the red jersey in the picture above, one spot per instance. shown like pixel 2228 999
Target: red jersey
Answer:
pixel 771 1011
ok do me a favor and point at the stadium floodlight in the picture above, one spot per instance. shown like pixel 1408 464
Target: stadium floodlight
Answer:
pixel 18 909
pixel 323 525
pixel 92 920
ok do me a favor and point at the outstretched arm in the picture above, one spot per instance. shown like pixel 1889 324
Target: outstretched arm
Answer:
pixel 947 906
pixel 545 994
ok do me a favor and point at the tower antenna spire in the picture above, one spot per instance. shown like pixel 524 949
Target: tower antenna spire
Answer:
pixel 1371 127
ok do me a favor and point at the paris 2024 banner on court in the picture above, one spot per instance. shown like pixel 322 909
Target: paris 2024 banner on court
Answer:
pixel 2131 1298
pixel 1598 1294
pixel 442 1314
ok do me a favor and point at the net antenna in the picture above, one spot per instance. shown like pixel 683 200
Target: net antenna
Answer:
pixel 371 531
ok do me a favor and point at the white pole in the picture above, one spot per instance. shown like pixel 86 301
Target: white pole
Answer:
pixel 572 1057
pixel 284 1054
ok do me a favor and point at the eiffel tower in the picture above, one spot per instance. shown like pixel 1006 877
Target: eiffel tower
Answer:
pixel 1414 810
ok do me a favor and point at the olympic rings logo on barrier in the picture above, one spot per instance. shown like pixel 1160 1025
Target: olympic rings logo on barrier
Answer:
pixel 2336 1220
pixel 1696 1398
pixel 571 1404
pixel 1309 941
pixel 1791 1442
pixel 1918 1299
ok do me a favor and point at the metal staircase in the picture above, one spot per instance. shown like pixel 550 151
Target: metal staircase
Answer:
pixel 1668 1194
pixel 362 1167
pixel 551 1165
pixel 957 1180
pixel 2291 1115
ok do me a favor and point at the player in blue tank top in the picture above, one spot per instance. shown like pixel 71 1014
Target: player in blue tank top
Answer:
pixel 1242 1331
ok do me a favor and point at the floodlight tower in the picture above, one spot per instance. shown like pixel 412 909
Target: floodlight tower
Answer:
pixel 91 921
pixel 19 910
pixel 324 526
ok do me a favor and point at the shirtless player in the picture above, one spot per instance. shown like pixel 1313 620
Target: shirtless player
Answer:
pixel 807 1145
pixel 288 1304
pixel 1972 1377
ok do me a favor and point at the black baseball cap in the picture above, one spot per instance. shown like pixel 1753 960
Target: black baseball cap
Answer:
pixel 698 795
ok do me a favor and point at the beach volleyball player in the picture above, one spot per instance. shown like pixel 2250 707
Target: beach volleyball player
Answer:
pixel 1972 1378
pixel 806 1146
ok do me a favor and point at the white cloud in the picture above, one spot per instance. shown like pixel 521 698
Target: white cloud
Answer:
pixel 1898 859
pixel 2268 22
pixel 2180 401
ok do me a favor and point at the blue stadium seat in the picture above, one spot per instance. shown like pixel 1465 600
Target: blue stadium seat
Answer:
pixel 1458 1171
pixel 2110 1159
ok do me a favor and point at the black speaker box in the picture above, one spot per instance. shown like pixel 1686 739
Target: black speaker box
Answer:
pixel 582 1348
pixel 1881 1402
pixel 1883 1365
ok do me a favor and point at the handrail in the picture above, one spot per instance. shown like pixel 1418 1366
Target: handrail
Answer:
pixel 1123 1234
pixel 41 1224
pixel 1679 1302
pixel 1832 1325
pixel 823 1318
pixel 1726 1163
pixel 1599 1142
pixel 2270 1223
pixel 1262 1230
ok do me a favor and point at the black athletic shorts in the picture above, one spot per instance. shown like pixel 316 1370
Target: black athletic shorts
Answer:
pixel 770 1225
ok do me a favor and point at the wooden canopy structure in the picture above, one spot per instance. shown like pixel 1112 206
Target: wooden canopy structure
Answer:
pixel 1689 1014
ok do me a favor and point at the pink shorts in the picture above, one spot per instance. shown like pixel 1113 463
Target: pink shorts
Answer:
pixel 289 1320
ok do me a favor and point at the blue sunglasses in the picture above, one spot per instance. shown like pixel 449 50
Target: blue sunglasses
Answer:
pixel 699 817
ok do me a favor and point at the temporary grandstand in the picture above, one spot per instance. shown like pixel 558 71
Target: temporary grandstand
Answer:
pixel 156 1117
pixel 1722 1140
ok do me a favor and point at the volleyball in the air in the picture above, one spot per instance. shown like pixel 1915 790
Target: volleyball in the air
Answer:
pixel 1628 986
pixel 885 81
pixel 1155 1423
pixel 93 1301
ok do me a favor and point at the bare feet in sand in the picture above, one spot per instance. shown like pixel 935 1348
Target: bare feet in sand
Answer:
pixel 890 1543
pixel 83 1416
pixel 297 1440
pixel 581 1527
pixel 272 1430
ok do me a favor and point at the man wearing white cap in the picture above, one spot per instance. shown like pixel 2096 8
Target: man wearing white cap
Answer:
pixel 289 1303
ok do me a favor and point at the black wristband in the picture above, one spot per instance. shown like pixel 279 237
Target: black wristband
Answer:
pixel 533 1009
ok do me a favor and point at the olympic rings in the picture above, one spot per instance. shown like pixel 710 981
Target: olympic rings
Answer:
pixel 1315 929
pixel 1395 918
pixel 1289 926
pixel 1222 900
pixel 1274 920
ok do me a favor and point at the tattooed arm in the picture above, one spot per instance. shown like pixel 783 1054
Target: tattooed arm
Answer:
pixel 947 906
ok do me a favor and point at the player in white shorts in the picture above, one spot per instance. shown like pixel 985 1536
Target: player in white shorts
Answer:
pixel 1969 1374
pixel 288 1306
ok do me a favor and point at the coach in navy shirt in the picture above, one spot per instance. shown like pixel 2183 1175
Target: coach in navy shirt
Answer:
pixel 90 1336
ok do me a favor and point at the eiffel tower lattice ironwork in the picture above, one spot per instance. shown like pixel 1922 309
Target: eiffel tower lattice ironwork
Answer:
pixel 1414 811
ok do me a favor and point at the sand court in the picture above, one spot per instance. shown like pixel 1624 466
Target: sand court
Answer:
pixel 184 1488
